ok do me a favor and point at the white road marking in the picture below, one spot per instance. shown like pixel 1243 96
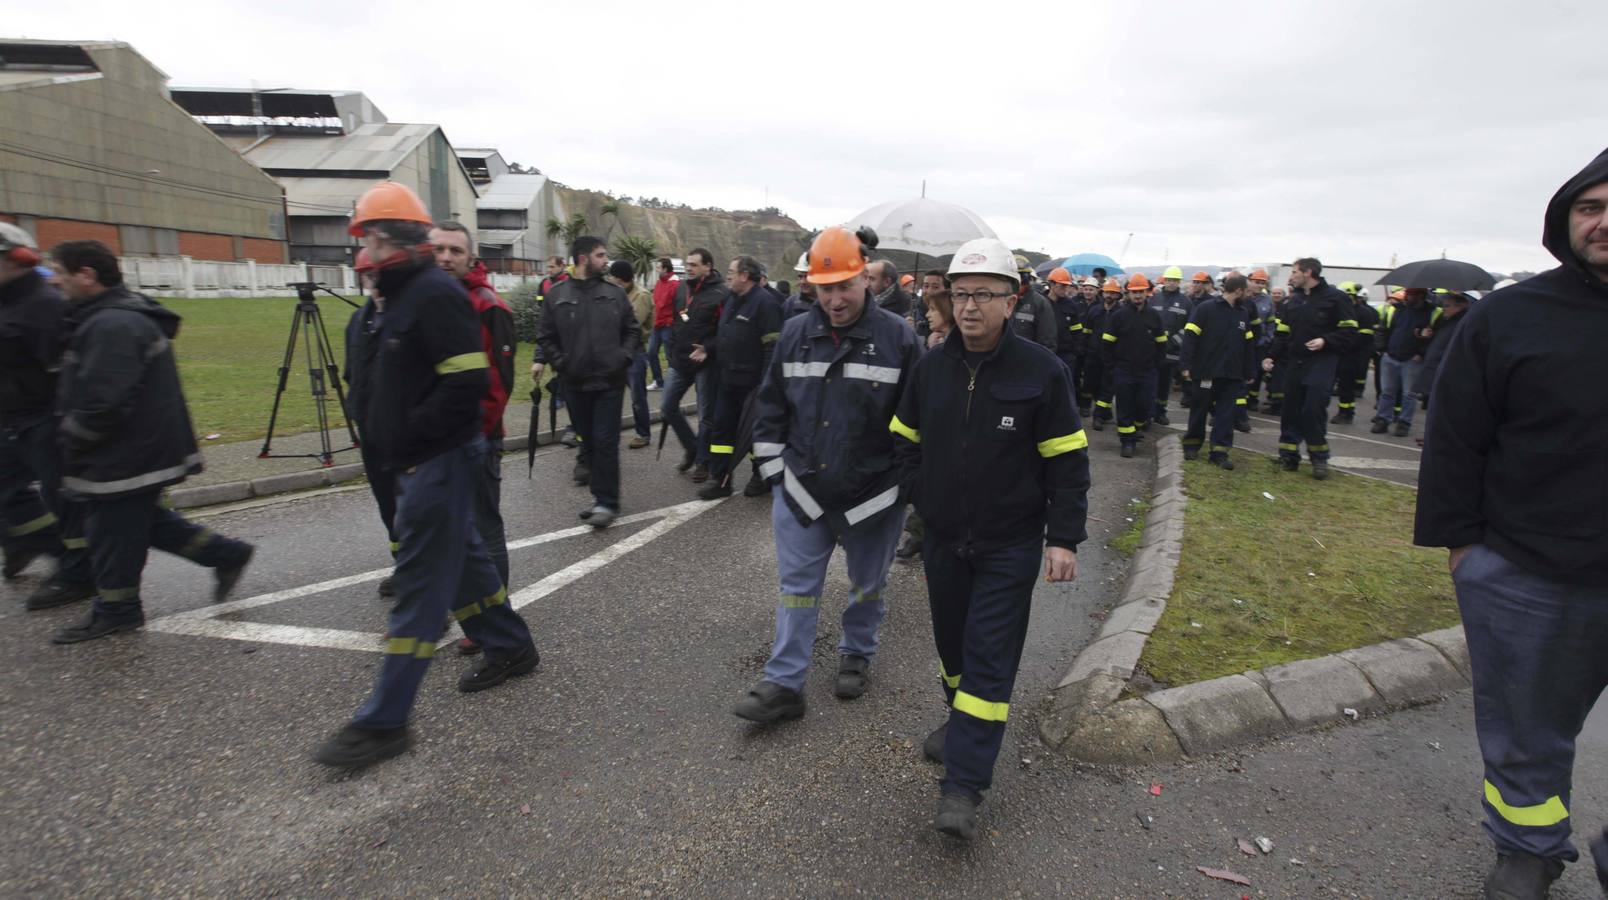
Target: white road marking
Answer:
pixel 208 622
pixel 1359 462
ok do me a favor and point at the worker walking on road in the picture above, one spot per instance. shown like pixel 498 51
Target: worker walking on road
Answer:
pixel 126 435
pixel 821 438
pixel 749 327
pixel 1068 321
pixel 996 458
pixel 1512 481
pixel 1216 359
pixel 1132 347
pixel 420 400
pixel 1404 334
pixel 1175 307
pixel 1094 366
pixel 1314 330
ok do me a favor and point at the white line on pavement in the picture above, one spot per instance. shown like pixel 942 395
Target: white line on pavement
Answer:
pixel 207 621
pixel 1398 445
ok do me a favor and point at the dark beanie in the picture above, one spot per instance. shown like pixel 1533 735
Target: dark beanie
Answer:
pixel 622 270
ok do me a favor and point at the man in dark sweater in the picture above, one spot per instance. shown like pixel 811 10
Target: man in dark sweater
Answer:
pixel 1513 481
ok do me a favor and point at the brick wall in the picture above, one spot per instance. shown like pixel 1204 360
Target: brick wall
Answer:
pixel 51 232
pixel 263 251
pixel 196 245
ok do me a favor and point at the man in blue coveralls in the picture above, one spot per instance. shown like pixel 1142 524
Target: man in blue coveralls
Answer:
pixel 418 393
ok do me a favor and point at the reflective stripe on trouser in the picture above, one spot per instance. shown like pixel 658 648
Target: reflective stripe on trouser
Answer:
pixel 1220 402
pixel 1538 650
pixel 980 606
pixel 122 530
pixel 1396 379
pixel 596 415
pixel 1134 393
pixel 802 554
pixel 488 507
pixel 442 567
pixel 723 435
pixel 28 453
pixel 1305 416
pixel 1349 380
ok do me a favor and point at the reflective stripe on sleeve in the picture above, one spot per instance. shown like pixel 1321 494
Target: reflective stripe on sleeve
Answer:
pixel 1108 336
pixel 463 362
pixel 722 449
pixel 1347 323
pixel 765 448
pixel 1066 443
pixel 900 428
pixel 869 508
pixel 1192 327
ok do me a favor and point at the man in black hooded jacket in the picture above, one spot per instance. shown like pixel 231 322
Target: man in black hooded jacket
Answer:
pixel 1513 482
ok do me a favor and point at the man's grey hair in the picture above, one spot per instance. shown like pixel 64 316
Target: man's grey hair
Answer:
pixel 747 265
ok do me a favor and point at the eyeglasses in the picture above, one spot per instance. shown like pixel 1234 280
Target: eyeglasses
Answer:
pixel 983 298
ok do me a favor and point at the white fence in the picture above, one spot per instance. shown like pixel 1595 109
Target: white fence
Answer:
pixel 181 276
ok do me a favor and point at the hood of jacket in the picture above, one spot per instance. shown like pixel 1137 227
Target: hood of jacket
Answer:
pixel 121 297
pixel 477 278
pixel 1555 234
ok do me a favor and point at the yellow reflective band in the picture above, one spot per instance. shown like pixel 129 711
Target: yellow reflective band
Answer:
pixel 1192 327
pixel 1126 429
pixel 1161 339
pixel 1249 335
pixel 118 595
pixel 1540 815
pixel 1365 331
pixel 905 431
pixel 1348 323
pixel 1348 406
pixel 1066 443
pixel 978 708
pixel 1239 401
pixel 1103 404
pixel 396 547
pixel 75 543
pixel 473 609
pixel 1295 447
pixel 1283 328
pixel 410 647
pixel 1075 326
pixel 1108 336
pixel 1317 448
pixel 496 599
pixel 463 362
pixel 722 449
pixel 196 542
pixel 798 601
pixel 950 681
pixel 769 338
pixel 29 527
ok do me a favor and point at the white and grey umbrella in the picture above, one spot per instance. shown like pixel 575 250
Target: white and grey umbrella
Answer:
pixel 923 226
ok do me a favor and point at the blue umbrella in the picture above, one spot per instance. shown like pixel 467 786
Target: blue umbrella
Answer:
pixel 1086 263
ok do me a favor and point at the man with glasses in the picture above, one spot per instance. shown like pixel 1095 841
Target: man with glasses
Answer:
pixel 992 449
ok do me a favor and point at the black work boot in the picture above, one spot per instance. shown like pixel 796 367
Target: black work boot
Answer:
pixel 756 486
pixel 19 560
pixel 1288 464
pixel 353 747
pixel 769 702
pixel 490 671
pixel 1224 463
pixel 1380 426
pixel 1403 429
pixel 1243 427
pixel 851 676
pixel 388 586
pixel 582 474
pixel 98 625
pixel 1342 418
pixel 1127 451
pixel 1191 454
pixel 229 576
pixel 957 816
pixel 910 549
pixel 1521 876
pixel 1160 418
pixel 568 438
pixel 55 593
pixel 1097 423
pixel 714 490
pixel 1320 470
pixel 933 746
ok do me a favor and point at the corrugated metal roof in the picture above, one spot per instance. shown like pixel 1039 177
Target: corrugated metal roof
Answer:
pixel 511 192
pixel 368 148
pixel 500 236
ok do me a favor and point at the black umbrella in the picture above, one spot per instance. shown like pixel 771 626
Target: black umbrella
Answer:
pixel 745 433
pixel 535 429
pixel 1440 273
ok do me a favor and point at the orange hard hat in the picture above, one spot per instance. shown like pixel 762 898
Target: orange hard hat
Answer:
pixel 906 279
pixel 1258 274
pixel 1202 276
pixel 363 262
pixel 1138 282
pixel 835 256
pixel 1111 287
pixel 388 201
pixel 1059 275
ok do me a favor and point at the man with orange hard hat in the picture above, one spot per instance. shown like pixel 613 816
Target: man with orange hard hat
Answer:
pixel 417 382
pixel 1132 347
pixel 821 439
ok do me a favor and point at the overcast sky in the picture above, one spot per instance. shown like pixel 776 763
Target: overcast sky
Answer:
pixel 1215 133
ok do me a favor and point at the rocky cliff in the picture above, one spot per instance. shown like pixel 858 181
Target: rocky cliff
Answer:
pixel 775 240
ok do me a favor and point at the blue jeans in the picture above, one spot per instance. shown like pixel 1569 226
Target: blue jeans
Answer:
pixel 1396 378
pixel 636 378
pixel 674 390
pixel 659 338
pixel 802 554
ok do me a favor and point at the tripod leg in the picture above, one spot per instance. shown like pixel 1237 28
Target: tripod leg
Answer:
pixel 315 378
pixel 279 392
pixel 328 356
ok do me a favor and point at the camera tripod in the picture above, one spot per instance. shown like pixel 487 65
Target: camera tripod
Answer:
pixel 322 373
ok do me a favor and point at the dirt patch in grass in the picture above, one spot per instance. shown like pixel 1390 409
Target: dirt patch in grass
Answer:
pixel 1322 567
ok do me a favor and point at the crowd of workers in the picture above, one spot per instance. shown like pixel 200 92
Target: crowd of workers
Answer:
pixel 854 399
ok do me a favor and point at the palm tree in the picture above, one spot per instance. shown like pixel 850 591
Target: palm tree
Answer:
pixel 575 227
pixel 611 208
pixel 642 253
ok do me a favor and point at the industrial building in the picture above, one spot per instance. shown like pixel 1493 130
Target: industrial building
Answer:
pixel 93 147
pixel 326 148
pixel 512 213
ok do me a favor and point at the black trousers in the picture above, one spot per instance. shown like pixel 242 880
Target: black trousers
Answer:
pixel 1305 416
pixel 1220 400
pixel 596 415
pixel 122 531
pixel 723 436
pixel 1351 382
pixel 43 518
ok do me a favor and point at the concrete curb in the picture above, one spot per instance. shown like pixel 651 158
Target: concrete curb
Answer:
pixel 311 479
pixel 1086 720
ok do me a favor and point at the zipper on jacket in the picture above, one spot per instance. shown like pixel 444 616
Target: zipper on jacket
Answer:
pixel 971 387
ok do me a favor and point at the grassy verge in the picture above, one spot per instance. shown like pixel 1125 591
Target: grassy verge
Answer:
pixel 229 352
pixel 1322 567
pixel 1127 543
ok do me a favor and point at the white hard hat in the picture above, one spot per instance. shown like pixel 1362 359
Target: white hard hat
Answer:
pixel 12 236
pixel 984 256
pixel 1506 282
pixel 803 264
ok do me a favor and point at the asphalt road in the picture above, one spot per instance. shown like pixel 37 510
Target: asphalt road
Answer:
pixel 175 761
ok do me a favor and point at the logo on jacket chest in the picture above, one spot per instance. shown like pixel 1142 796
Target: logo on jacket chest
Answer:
pixel 1007 423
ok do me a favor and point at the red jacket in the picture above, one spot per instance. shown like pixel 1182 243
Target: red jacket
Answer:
pixel 664 300
pixel 498 340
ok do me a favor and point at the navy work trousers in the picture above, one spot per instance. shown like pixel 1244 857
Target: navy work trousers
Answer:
pixel 122 531
pixel 1221 399
pixel 980 607
pixel 1134 391
pixel 1305 416
pixel 41 519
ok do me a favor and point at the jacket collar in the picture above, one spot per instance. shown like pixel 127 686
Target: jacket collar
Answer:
pixel 955 345
pixel 860 330
pixel 23 285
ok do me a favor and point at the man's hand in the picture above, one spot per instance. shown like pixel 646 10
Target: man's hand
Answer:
pixel 1267 365
pixel 1454 557
pixel 1060 564
pixel 1315 344
pixel 536 372
pixel 697 355
pixel 1185 374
